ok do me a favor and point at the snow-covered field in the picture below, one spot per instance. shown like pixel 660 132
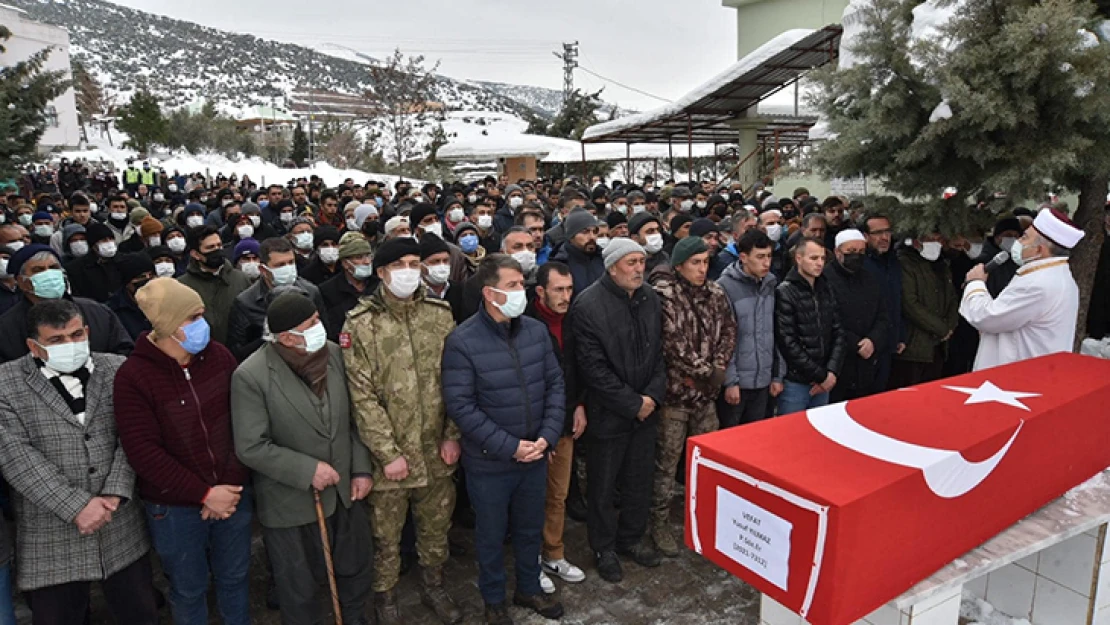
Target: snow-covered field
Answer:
pixel 979 612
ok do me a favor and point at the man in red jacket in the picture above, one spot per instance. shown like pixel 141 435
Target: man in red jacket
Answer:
pixel 173 413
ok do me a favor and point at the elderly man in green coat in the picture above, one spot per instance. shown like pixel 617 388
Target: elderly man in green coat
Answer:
pixel 292 423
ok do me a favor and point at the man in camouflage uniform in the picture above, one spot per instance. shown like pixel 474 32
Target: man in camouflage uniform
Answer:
pixel 699 335
pixel 393 344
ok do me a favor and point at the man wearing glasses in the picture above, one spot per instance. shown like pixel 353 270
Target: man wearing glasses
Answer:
pixel 882 263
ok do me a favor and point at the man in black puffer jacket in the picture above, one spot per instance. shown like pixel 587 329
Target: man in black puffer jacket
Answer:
pixel 862 310
pixel 617 326
pixel 808 331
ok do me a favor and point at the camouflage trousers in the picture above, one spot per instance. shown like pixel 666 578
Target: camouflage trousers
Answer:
pixel 432 506
pixel 675 425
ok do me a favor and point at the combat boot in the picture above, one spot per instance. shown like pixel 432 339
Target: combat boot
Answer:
pixel 386 610
pixel 434 595
pixel 664 540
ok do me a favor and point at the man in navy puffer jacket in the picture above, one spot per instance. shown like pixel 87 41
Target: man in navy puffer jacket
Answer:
pixel 503 386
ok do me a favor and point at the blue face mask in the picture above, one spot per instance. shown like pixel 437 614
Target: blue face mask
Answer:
pixel 379 201
pixel 469 243
pixel 49 284
pixel 196 336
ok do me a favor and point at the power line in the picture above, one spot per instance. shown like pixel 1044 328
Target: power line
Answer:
pixel 622 85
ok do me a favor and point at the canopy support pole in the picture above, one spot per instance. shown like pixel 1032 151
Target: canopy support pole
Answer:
pixel 689 149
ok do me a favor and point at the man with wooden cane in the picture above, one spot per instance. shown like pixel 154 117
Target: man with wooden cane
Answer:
pixel 292 424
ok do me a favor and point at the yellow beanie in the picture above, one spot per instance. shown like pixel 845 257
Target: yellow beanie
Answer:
pixel 167 304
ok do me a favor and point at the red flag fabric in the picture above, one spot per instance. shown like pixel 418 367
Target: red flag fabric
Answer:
pixel 835 511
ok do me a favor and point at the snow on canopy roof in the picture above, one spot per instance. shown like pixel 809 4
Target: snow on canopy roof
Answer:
pixel 503 145
pixel 621 151
pixel 704 113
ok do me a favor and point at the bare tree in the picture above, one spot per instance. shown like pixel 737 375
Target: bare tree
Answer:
pixel 402 95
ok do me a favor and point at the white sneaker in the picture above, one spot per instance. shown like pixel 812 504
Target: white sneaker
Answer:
pixel 546 584
pixel 564 570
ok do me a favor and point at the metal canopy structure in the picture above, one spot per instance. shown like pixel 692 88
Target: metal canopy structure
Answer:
pixel 706 115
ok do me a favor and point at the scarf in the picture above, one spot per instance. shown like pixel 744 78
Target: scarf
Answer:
pixel 310 368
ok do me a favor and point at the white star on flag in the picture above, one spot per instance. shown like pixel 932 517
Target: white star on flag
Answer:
pixel 988 392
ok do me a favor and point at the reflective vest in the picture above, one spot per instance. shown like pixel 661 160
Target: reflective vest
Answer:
pixel 149 176
pixel 131 175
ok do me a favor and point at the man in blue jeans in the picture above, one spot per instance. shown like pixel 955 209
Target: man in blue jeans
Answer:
pixel 808 332
pixel 503 386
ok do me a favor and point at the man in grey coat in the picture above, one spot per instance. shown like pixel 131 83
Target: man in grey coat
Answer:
pixel 248 312
pixel 292 425
pixel 74 492
pixel 754 376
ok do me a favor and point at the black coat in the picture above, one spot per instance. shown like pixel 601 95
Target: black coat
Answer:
pixel 129 314
pixel 808 331
pixel 859 301
pixel 106 333
pixel 1098 314
pixel 1002 275
pixel 573 387
pixel 92 279
pixel 619 352
pixel 584 268
pixel 339 299
pixel 458 297
pixel 317 272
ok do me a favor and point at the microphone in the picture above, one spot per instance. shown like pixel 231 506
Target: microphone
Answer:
pixel 996 262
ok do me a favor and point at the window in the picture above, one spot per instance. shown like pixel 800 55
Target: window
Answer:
pixel 51 116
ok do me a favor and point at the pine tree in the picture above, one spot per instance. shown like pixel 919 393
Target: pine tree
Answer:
pixel 143 121
pixel 1008 100
pixel 25 92
pixel 579 112
pixel 299 154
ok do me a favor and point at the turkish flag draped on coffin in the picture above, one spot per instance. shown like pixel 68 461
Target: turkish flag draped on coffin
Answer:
pixel 838 510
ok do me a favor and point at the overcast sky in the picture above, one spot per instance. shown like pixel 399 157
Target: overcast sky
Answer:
pixel 663 47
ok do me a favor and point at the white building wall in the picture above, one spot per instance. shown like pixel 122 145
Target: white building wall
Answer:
pixel 29 37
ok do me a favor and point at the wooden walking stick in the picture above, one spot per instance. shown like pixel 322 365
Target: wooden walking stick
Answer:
pixel 327 557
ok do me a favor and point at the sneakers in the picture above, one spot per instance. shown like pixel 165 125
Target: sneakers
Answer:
pixel 546 585
pixel 547 607
pixel 564 570
pixel 498 614
pixel 609 567
pixel 641 553
pixel 664 541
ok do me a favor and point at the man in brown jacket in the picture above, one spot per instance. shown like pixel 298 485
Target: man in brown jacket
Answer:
pixel 699 336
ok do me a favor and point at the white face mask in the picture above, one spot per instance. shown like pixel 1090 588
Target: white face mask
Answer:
pixel 456 215
pixel 702 204
pixel 404 282
pixel 79 248
pixel 774 232
pixel 256 220
pixel 314 338
pixel 603 242
pixel 329 254
pixel 283 276
pixel 485 221
pixel 438 274
pixel 93 208
pixel 245 231
pixel 686 205
pixel 654 243
pixel 4 267
pixel 472 198
pixel 158 197
pixel 252 269
pixel 976 251
pixel 286 217
pixel 436 229
pixel 638 208
pixel 352 225
pixel 303 241
pixel 176 245
pixel 1016 251
pixel 44 230
pixel 362 272
pixel 107 249
pixel 194 221
pixel 164 270
pixel 931 251
pixel 515 202
pixel 15 246
pixel 515 303
pixel 527 259
pixel 118 216
pixel 67 357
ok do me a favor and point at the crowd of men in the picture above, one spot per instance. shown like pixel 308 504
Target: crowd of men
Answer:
pixel 184 356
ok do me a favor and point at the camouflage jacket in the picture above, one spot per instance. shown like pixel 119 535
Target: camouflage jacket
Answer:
pixel 392 350
pixel 699 335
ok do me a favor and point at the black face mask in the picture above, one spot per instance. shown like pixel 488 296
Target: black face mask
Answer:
pixel 370 228
pixel 853 262
pixel 214 259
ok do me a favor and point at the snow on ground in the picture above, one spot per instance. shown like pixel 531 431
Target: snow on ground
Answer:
pixel 260 171
pixel 979 612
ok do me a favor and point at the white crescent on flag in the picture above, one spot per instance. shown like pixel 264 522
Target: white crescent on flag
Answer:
pixel 947 473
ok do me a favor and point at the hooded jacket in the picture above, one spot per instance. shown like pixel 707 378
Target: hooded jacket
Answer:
pixel 756 362
pixel 699 337
pixel 585 269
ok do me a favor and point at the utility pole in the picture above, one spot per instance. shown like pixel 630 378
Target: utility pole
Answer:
pixel 311 123
pixel 570 61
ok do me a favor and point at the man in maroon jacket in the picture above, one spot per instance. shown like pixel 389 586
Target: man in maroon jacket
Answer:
pixel 173 413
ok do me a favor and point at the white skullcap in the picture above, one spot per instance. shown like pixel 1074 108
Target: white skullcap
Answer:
pixel 849 235
pixel 769 200
pixel 394 223
pixel 774 211
pixel 352 205
pixel 1056 226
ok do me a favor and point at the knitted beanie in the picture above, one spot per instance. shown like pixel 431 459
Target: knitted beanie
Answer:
pixel 167 304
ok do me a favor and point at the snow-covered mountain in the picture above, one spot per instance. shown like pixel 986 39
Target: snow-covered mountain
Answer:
pixel 182 62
